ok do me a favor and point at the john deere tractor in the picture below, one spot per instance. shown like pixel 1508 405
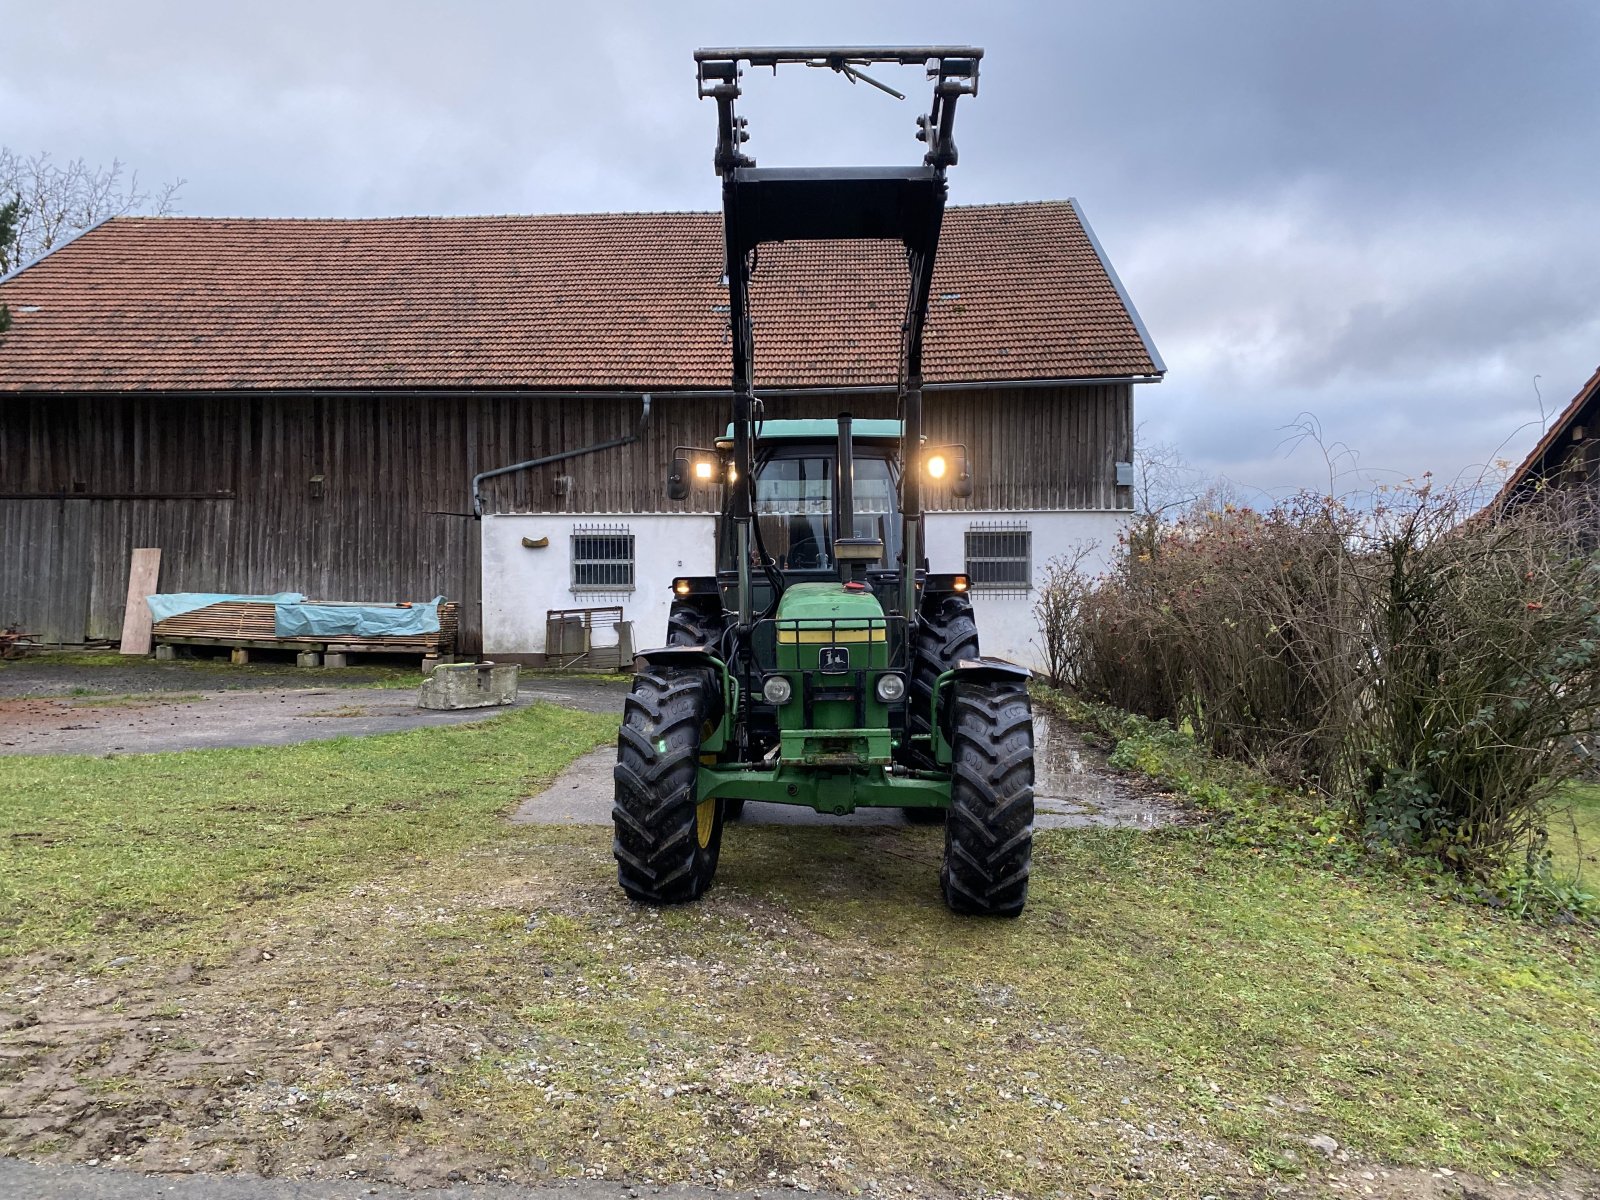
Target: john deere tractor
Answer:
pixel 824 665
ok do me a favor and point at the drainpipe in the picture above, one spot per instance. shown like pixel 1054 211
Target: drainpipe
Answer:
pixel 477 480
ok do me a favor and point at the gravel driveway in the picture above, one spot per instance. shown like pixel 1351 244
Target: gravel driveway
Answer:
pixel 148 707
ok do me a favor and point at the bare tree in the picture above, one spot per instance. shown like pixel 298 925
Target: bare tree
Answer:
pixel 8 236
pixel 1163 481
pixel 1164 487
pixel 49 201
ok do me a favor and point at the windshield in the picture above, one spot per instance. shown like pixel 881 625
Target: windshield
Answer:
pixel 794 506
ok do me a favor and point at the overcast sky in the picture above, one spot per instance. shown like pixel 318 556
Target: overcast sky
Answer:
pixel 1383 214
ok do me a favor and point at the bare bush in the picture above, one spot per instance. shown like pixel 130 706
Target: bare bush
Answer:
pixel 1428 669
pixel 1059 611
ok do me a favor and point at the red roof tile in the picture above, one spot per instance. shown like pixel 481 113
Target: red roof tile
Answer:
pixel 625 301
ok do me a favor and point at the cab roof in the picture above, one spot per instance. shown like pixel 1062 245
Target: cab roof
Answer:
pixel 821 429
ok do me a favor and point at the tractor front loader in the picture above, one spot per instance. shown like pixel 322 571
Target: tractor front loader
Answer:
pixel 824 665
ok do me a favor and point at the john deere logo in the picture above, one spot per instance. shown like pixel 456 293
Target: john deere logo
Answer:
pixel 835 660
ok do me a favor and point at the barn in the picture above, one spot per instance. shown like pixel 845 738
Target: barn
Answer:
pixel 326 406
pixel 1566 456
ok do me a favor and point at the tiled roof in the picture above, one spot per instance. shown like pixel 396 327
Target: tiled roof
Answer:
pixel 604 301
pixel 1551 449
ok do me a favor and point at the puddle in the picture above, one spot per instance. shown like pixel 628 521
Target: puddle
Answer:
pixel 1073 790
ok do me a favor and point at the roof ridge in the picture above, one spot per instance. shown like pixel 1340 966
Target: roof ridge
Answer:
pixel 180 218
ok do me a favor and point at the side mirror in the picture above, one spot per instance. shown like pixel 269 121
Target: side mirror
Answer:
pixel 961 485
pixel 678 480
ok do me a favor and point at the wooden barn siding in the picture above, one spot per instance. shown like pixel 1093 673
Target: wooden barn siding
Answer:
pixel 390 464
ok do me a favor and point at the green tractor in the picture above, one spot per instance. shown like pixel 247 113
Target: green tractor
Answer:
pixel 824 665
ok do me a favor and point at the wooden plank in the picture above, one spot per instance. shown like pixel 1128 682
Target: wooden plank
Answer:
pixel 144 571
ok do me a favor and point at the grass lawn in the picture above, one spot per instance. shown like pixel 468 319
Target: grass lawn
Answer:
pixel 151 843
pixel 1173 1016
pixel 1575 834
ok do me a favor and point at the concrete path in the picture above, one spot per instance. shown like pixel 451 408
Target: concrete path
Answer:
pixel 1072 789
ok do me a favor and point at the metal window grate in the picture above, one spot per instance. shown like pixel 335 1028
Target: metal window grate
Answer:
pixel 1000 558
pixel 602 558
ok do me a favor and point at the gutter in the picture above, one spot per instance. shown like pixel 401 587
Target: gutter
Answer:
pixel 1116 282
pixel 448 391
pixel 562 456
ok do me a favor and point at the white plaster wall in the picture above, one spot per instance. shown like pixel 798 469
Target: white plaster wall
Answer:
pixel 1007 627
pixel 520 585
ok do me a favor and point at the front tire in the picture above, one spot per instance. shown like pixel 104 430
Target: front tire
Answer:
pixel 667 840
pixel 988 841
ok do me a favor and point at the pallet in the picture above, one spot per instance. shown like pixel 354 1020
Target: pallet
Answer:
pixel 252 625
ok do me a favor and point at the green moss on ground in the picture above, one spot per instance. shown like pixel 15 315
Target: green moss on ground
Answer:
pixel 1574 824
pixel 1163 1000
pixel 148 842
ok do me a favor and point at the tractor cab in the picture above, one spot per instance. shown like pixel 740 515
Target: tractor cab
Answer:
pixel 796 507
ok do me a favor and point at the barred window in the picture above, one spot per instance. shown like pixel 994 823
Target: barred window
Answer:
pixel 602 558
pixel 1000 558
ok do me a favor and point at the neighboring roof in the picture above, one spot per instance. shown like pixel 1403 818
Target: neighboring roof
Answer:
pixel 624 301
pixel 1553 447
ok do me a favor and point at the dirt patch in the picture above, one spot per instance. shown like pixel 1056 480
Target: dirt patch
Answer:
pixel 343 1048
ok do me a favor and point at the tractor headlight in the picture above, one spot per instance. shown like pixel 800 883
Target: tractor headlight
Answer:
pixel 937 466
pixel 890 688
pixel 777 689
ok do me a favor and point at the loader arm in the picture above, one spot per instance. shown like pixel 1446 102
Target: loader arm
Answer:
pixel 904 203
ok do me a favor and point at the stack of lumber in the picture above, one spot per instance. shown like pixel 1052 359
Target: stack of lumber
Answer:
pixel 252 624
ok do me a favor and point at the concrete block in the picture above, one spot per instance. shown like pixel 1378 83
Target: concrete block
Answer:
pixel 240 656
pixel 430 661
pixel 335 660
pixel 469 685
pixel 308 658
pixel 166 652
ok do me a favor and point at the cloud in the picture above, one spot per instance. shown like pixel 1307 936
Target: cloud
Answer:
pixel 1378 211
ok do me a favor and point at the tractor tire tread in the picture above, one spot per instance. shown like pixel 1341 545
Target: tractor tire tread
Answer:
pixel 946 634
pixel 989 830
pixel 659 858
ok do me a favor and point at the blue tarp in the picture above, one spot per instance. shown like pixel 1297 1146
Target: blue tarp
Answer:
pixel 357 620
pixel 174 604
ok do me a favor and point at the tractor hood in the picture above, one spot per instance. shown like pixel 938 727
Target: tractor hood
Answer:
pixel 852 609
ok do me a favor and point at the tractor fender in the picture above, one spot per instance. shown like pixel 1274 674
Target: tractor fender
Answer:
pixel 968 670
pixel 681 656
pixel 989 670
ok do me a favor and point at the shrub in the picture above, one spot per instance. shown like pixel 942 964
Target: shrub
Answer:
pixel 1428 670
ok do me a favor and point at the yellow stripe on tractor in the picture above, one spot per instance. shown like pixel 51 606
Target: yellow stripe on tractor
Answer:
pixel 829 637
